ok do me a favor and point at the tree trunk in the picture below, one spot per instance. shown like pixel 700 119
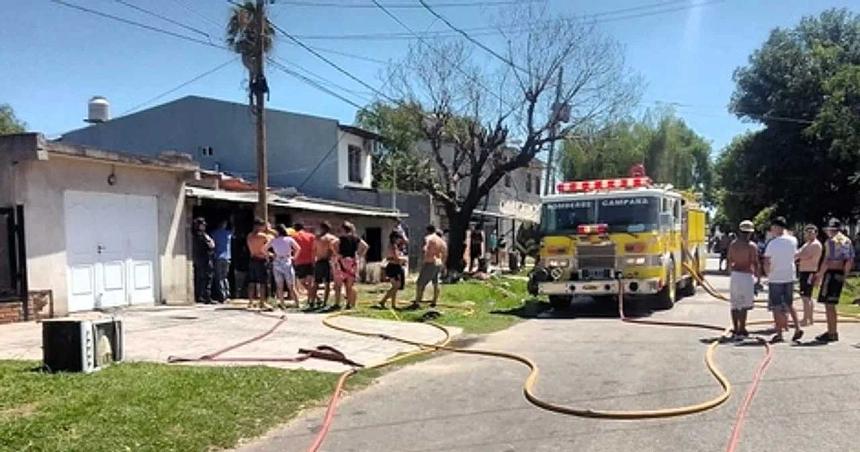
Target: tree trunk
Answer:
pixel 457 227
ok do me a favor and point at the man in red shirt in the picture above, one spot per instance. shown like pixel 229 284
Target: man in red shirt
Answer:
pixel 304 261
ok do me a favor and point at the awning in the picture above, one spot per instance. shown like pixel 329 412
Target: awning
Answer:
pixel 298 203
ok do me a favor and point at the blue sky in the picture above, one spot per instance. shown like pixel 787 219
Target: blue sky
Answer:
pixel 54 58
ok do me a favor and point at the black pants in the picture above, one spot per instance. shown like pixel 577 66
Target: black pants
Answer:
pixel 203 281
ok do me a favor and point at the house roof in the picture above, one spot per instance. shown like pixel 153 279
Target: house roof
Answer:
pixel 360 132
pixel 34 146
pixel 296 202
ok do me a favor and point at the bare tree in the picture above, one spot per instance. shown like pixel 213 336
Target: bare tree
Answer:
pixel 467 113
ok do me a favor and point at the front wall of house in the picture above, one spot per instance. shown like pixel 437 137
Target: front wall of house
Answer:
pixel 40 187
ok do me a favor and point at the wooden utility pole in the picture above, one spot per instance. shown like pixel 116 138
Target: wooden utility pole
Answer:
pixel 557 112
pixel 259 88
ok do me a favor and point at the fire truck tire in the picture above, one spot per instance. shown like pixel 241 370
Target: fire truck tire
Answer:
pixel 688 289
pixel 665 299
pixel 560 302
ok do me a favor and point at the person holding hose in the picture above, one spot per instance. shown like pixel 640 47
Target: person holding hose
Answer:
pixel 837 263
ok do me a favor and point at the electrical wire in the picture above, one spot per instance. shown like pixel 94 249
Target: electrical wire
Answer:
pixel 164 18
pixel 331 63
pixel 594 18
pixel 138 24
pixel 468 37
pixel 180 86
pixel 330 4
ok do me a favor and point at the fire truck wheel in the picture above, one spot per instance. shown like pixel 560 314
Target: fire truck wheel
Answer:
pixel 560 302
pixel 665 299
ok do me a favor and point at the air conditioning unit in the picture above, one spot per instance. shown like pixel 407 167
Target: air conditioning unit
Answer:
pixel 70 345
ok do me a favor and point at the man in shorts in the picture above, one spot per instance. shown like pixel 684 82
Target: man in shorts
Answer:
pixel 779 262
pixel 435 253
pixel 304 261
pixel 837 263
pixel 258 272
pixel 324 250
pixel 808 260
pixel 743 263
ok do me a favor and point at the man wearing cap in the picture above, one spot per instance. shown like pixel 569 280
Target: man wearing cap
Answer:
pixel 743 263
pixel 779 262
pixel 808 259
pixel 837 263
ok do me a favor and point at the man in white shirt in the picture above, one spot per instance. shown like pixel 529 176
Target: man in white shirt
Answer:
pixel 779 262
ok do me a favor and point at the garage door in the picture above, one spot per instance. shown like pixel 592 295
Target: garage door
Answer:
pixel 111 249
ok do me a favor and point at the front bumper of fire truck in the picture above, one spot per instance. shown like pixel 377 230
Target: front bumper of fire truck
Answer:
pixel 635 280
pixel 648 286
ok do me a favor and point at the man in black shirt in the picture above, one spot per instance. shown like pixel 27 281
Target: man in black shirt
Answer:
pixel 202 248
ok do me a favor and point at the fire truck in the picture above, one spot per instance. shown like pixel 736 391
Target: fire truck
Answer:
pixel 600 236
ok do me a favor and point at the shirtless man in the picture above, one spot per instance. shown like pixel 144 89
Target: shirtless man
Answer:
pixel 325 247
pixel 258 274
pixel 742 258
pixel 435 253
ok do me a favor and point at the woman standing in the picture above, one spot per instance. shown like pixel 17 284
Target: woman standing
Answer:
pixel 285 249
pixel 350 248
pixel 394 268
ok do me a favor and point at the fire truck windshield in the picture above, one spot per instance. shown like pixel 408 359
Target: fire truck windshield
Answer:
pixel 622 214
pixel 566 216
pixel 629 214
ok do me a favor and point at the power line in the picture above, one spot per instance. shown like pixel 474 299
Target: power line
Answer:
pixel 180 86
pixel 164 18
pixel 320 79
pixel 331 4
pixel 595 18
pixel 138 24
pixel 191 10
pixel 331 63
pixel 442 54
pixel 468 37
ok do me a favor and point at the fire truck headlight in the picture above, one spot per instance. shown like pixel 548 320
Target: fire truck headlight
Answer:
pixel 558 263
pixel 635 261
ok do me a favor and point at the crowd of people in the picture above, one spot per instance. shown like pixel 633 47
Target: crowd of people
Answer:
pixel 291 258
pixel 815 264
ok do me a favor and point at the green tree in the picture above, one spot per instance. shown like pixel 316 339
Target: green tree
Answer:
pixel 803 86
pixel 395 164
pixel 671 151
pixel 9 123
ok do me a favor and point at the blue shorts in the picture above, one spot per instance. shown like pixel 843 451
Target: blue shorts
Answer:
pixel 780 296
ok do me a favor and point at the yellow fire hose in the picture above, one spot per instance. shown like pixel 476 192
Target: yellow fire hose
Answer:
pixel 534 371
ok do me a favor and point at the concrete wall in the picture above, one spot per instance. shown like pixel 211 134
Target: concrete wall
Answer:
pixel 296 143
pixel 39 186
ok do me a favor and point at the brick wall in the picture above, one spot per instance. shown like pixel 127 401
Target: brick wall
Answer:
pixel 13 311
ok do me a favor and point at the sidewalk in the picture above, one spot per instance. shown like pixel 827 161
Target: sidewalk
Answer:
pixel 154 333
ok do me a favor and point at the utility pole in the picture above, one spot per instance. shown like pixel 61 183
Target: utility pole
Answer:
pixel 560 114
pixel 259 89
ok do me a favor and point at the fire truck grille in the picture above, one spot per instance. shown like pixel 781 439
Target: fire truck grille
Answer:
pixel 596 256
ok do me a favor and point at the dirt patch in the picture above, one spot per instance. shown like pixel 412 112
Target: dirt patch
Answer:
pixel 19 411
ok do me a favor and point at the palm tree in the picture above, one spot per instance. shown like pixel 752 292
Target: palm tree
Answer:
pixel 242 31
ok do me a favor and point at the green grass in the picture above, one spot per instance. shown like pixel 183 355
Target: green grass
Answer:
pixel 494 304
pixel 850 292
pixel 154 407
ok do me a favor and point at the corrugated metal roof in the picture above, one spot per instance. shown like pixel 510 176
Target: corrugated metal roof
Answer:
pixel 299 203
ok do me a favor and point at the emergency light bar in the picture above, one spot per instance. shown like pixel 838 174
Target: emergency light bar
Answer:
pixel 603 184
pixel 584 229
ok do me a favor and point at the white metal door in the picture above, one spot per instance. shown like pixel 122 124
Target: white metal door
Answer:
pixel 111 248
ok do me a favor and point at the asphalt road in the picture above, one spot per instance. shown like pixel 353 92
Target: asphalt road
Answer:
pixel 808 400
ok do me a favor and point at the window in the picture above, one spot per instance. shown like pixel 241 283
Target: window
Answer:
pixel 354 164
pixel 528 182
pixel 507 180
pixel 207 151
pixel 537 185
